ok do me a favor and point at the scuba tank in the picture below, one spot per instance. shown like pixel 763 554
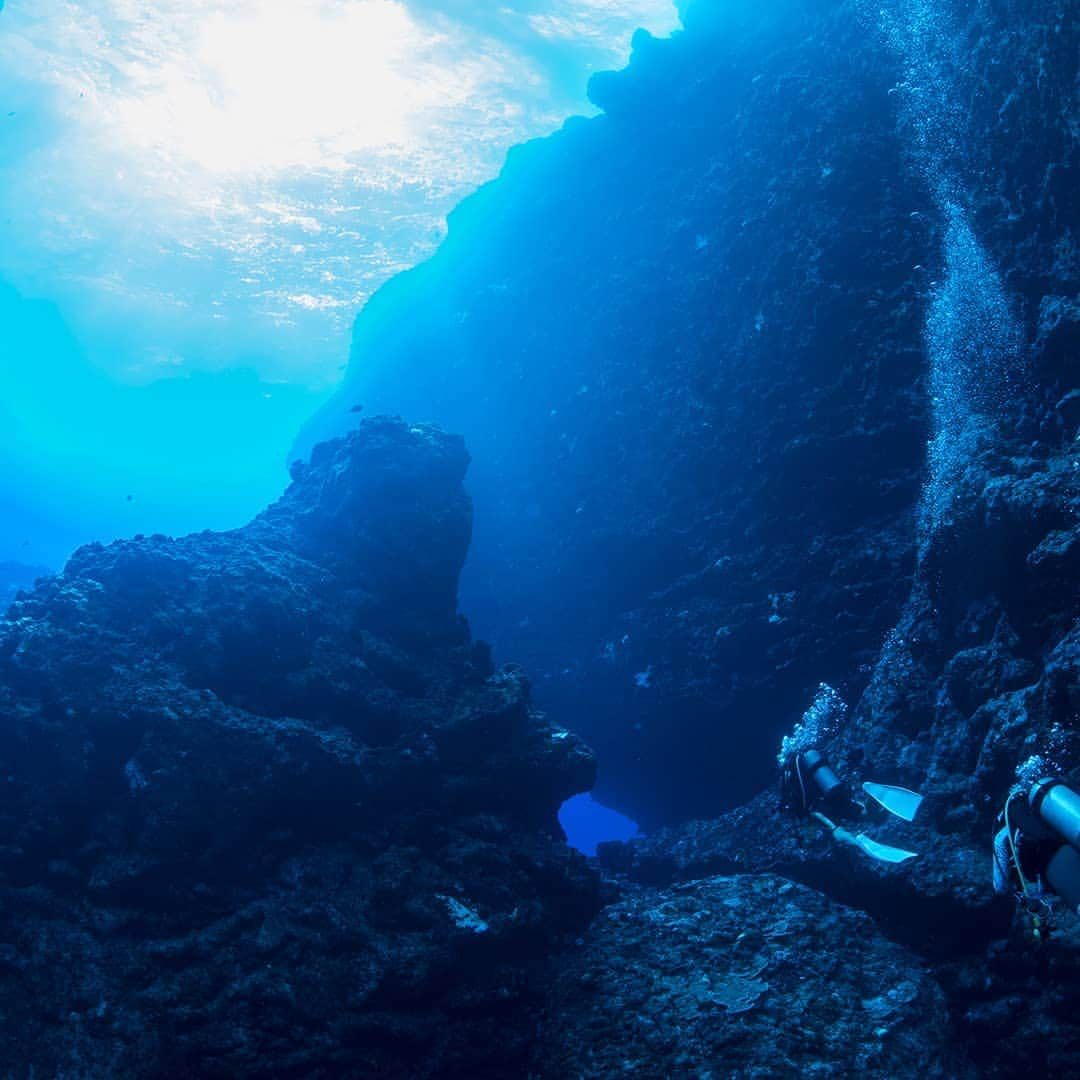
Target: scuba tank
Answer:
pixel 809 786
pixel 816 772
pixel 1058 808
pixel 1063 876
pixel 809 782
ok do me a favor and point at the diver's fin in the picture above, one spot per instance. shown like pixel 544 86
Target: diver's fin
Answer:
pixel 897 800
pixel 883 852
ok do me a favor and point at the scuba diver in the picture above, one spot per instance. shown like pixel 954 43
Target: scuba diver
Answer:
pixel 810 788
pixel 1037 850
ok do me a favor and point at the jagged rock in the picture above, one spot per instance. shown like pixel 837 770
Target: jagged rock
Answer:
pixel 1012 1002
pixel 268 810
pixel 15 577
pixel 747 976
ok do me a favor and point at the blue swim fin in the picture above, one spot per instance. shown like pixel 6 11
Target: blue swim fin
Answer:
pixel 882 852
pixel 897 800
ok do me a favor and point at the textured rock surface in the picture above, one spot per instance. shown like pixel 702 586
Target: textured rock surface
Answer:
pixel 15 576
pixel 982 672
pixel 745 976
pixel 711 362
pixel 1011 1006
pixel 268 810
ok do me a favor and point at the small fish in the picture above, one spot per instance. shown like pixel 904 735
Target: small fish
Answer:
pixel 129 498
pixel 357 408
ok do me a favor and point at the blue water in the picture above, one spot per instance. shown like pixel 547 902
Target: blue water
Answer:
pixel 195 202
pixel 588 823
pixel 88 457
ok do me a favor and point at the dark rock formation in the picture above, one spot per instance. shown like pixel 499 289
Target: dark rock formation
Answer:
pixel 268 810
pixel 745 976
pixel 15 576
pixel 718 459
pixel 982 673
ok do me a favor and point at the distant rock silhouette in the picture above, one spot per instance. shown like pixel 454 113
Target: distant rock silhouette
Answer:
pixel 269 810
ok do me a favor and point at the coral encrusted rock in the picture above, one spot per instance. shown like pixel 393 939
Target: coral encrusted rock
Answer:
pixel 747 976
pixel 268 810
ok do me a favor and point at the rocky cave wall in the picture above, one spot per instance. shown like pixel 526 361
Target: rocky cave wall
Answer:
pixel 268 809
pixel 981 670
pixel 840 357
pixel 683 340
pixel 270 812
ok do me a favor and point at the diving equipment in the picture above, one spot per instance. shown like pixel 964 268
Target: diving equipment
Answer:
pixel 876 850
pixel 1058 807
pixel 813 770
pixel 1063 876
pixel 899 801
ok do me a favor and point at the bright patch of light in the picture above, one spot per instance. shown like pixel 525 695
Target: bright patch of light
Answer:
pixel 201 178
pixel 316 303
pixel 271 86
pixel 591 20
